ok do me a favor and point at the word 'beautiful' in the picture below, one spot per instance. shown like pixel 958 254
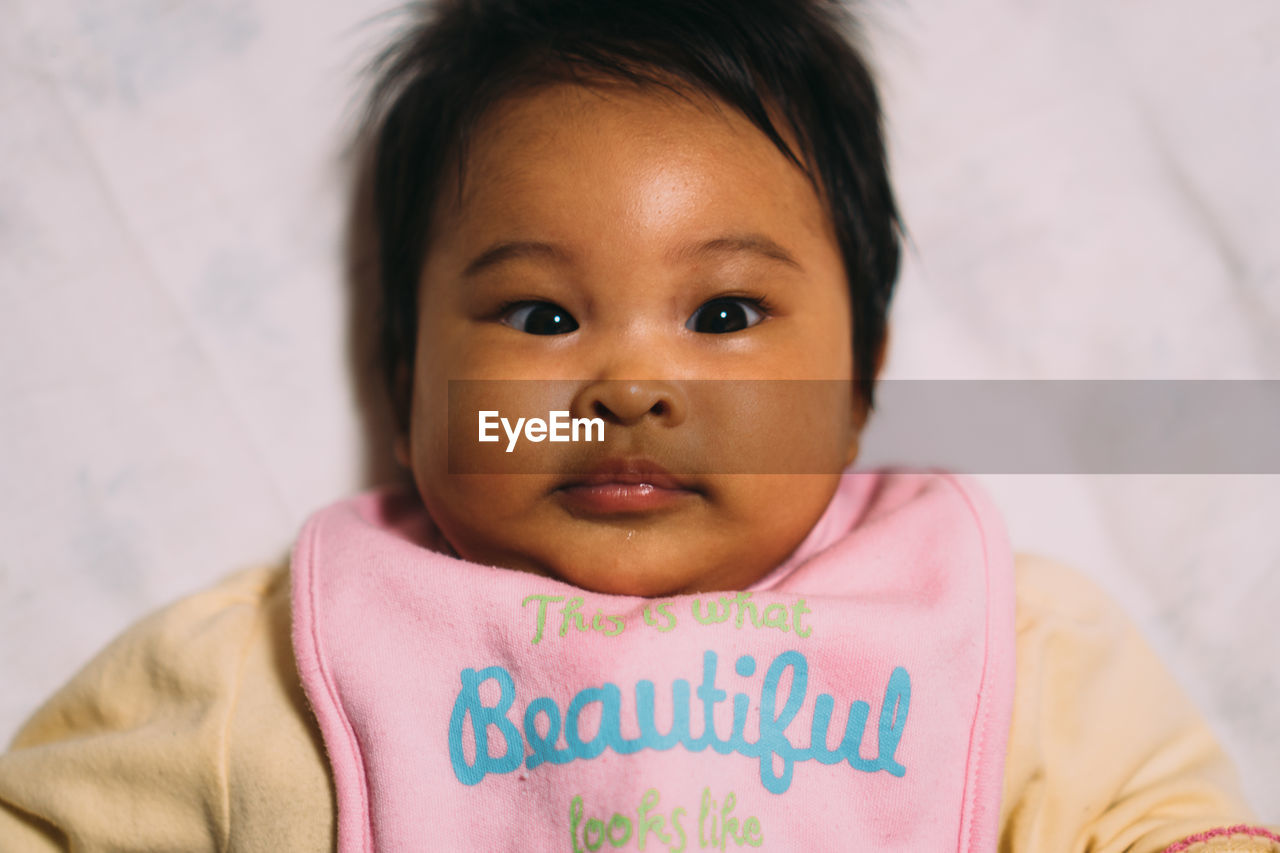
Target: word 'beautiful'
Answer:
pixel 558 427
pixel 773 740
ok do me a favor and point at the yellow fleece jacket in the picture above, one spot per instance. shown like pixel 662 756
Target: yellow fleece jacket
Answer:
pixel 191 733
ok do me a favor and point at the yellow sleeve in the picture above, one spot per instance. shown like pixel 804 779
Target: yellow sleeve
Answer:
pixel 189 732
pixel 1106 754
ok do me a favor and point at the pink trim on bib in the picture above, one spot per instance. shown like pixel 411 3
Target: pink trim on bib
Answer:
pixel 1222 832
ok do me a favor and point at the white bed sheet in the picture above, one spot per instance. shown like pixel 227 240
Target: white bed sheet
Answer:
pixel 1091 193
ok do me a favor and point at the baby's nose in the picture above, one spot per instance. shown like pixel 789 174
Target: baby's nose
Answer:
pixel 628 401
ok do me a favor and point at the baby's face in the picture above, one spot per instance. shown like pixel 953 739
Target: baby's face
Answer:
pixel 613 247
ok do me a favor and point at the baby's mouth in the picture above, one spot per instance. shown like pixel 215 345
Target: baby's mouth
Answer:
pixel 621 486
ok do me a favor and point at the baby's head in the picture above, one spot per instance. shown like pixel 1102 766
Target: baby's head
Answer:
pixel 612 201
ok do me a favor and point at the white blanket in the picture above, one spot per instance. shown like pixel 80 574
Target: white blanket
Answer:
pixel 1090 189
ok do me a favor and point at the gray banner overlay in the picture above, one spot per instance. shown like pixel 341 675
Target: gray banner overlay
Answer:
pixel 1078 426
pixel 803 427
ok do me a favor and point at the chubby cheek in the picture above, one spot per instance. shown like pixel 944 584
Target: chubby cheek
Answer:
pixel 486 518
pixel 488 503
pixel 772 513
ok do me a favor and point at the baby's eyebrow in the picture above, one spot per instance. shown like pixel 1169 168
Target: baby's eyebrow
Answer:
pixel 513 249
pixel 757 244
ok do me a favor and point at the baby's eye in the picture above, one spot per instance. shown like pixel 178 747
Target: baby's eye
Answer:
pixel 725 314
pixel 539 318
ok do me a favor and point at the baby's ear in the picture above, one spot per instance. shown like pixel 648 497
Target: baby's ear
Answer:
pixel 883 352
pixel 401 412
pixel 851 451
pixel 860 409
pixel 401 450
pixel 857 420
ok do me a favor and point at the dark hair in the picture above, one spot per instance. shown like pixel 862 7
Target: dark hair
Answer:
pixel 796 58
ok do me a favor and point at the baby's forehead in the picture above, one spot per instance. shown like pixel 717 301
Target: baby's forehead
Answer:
pixel 573 152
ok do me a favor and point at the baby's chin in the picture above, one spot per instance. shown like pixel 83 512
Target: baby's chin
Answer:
pixel 644 578
pixel 708 541
pixel 632 579
pixel 647 567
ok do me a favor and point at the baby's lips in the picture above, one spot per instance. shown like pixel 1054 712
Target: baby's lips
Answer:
pixel 629 470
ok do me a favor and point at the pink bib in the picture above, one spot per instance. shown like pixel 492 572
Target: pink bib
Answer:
pixel 857 698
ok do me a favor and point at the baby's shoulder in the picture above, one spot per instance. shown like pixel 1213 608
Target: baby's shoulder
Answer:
pixel 197 712
pixel 181 653
pixel 1052 594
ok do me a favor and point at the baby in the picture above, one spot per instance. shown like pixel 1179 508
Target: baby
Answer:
pixel 636 261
